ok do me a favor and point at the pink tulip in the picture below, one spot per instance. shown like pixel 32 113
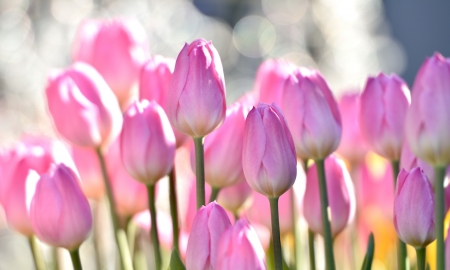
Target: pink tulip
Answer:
pixel 383 107
pixel 59 212
pixel 130 195
pixel 21 169
pixel 208 226
pixel 271 80
pixel 268 157
pixel 91 177
pixel 147 142
pixel 223 150
pixel 352 147
pixel 341 197
pixel 239 248
pixel 84 109
pixel 408 161
pixel 312 114
pixel 236 197
pixel 197 102
pixel 414 191
pixel 428 118
pixel 116 48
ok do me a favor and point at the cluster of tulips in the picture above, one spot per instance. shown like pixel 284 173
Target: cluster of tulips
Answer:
pixel 123 141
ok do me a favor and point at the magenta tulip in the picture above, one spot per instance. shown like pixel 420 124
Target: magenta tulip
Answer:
pixel 223 150
pixel 239 248
pixel 88 167
pixel 197 102
pixel 383 107
pixel 208 226
pixel 59 212
pixel 116 48
pixel 271 80
pixel 312 114
pixel 84 109
pixel 268 157
pixel 414 191
pixel 428 118
pixel 147 142
pixel 352 147
pixel 341 197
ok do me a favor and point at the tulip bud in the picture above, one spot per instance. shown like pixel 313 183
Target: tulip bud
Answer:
pixel 268 156
pixel 341 197
pixel 240 248
pixel 84 109
pixel 352 147
pixel 312 114
pixel 91 177
pixel 236 197
pixel 414 191
pixel 117 49
pixel 408 161
pixel 59 212
pixel 428 118
pixel 147 142
pixel 197 102
pixel 383 107
pixel 223 150
pixel 208 226
pixel 271 79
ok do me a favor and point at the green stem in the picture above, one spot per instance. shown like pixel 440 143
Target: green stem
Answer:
pixel 324 208
pixel 37 253
pixel 96 235
pixel 312 254
pixel 131 235
pixel 421 258
pixel 174 207
pixel 440 203
pixel 119 235
pixel 75 255
pixel 276 233
pixel 214 194
pixel 402 256
pixel 154 228
pixel 305 165
pixel 294 226
pixel 200 171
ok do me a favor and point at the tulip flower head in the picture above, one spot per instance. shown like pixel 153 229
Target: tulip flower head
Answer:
pixel 383 107
pixel 91 177
pixel 268 157
pixel 59 212
pixel 408 161
pixel 414 191
pixel 196 104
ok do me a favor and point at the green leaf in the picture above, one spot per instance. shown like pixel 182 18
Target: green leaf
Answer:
pixel 368 258
pixel 175 261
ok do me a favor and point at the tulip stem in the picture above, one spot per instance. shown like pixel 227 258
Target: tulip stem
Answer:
pixel 37 253
pixel 294 226
pixel 119 234
pixel 312 254
pixel 214 194
pixel 200 171
pixel 174 207
pixel 440 202
pixel 402 255
pixel 325 213
pixel 75 256
pixel 154 227
pixel 421 258
pixel 278 260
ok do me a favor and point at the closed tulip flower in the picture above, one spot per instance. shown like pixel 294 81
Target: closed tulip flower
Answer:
pixel 116 48
pixel 428 118
pixel 197 102
pixel 312 114
pixel 240 249
pixel 223 150
pixel 84 109
pixel 383 107
pixel 271 80
pixel 88 167
pixel 237 197
pixel 408 161
pixel 268 156
pixel 341 197
pixel 59 212
pixel 147 142
pixel 208 226
pixel 414 191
